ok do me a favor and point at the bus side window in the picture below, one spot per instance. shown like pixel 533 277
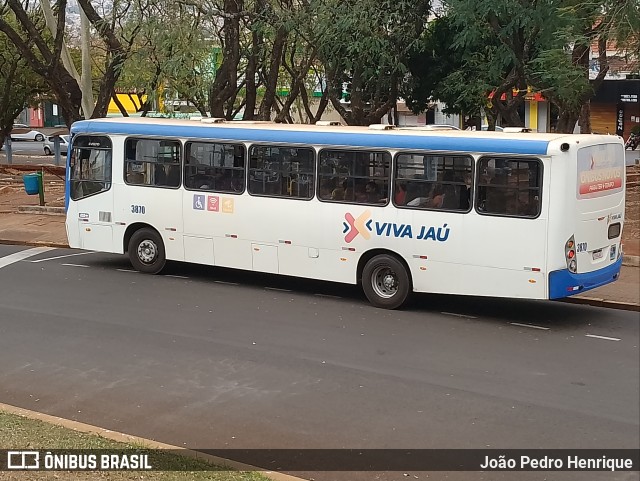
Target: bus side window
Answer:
pixel 146 161
pixel 354 176
pixel 281 171
pixel 509 187
pixel 433 181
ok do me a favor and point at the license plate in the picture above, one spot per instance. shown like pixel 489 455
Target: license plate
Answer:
pixel 597 254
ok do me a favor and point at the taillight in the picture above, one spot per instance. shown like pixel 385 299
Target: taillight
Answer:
pixel 570 254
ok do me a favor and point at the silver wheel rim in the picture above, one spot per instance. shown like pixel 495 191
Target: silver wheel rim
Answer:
pixel 384 282
pixel 147 251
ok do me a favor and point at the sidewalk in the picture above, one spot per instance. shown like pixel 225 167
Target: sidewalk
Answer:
pixel 24 222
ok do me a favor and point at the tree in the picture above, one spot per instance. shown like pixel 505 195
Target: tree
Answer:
pixel 364 47
pixel 171 61
pixel 19 85
pixel 42 49
pixel 438 72
pixel 32 39
pixel 600 23
pixel 503 41
pixel 511 49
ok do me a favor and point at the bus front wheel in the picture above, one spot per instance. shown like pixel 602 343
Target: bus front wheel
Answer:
pixel 385 282
pixel 146 251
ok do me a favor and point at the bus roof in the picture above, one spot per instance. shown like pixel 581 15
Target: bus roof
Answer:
pixel 396 138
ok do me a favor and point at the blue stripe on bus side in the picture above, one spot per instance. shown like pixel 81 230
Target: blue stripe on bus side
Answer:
pixel 380 140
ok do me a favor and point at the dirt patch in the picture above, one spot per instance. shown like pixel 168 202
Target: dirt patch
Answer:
pixel 13 194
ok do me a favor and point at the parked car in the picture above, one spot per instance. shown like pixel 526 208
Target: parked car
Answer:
pixel 26 133
pixel 49 147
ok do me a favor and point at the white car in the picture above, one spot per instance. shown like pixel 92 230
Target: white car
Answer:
pixel 49 147
pixel 26 133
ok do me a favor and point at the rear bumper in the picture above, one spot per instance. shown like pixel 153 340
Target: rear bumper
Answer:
pixel 563 283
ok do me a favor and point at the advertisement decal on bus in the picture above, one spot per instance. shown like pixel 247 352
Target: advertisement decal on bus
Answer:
pixel 600 171
pixel 364 225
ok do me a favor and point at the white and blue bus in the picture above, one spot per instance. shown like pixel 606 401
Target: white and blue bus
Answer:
pixel 397 210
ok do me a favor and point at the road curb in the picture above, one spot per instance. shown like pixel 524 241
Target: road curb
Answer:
pixel 599 302
pixel 147 443
pixel 40 209
pixel 631 261
pixel 57 245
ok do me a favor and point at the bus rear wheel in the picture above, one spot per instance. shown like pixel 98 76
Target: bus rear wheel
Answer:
pixel 146 251
pixel 385 282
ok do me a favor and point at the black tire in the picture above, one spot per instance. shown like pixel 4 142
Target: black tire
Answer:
pixel 39 138
pixel 47 151
pixel 146 251
pixel 386 282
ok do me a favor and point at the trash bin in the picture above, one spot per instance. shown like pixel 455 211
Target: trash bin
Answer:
pixel 32 183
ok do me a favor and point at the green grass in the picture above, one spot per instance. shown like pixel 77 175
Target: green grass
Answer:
pixel 17 432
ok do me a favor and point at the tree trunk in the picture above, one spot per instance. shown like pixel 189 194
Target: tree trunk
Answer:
pixel 121 108
pixel 251 97
pixel 224 85
pixel 584 120
pixel 322 105
pixel 271 78
pixel 86 83
pixel 107 85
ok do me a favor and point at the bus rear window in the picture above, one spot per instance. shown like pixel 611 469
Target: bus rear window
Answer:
pixel 600 171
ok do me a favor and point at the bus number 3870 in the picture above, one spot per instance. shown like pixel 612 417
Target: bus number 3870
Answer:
pixel 137 209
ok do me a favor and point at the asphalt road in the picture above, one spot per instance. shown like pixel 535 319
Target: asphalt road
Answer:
pixel 209 358
pixel 26 152
pixel 26 147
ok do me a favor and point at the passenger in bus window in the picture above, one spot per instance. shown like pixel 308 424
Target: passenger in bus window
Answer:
pixel 496 202
pixel 437 197
pixel 338 192
pixel 360 191
pixel 173 177
pixel 373 195
pixel 401 194
pixel 160 176
pixel 349 194
pixel 326 187
pixel 450 192
pixel 465 192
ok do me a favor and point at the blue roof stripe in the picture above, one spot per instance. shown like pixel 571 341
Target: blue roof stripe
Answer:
pixel 442 142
